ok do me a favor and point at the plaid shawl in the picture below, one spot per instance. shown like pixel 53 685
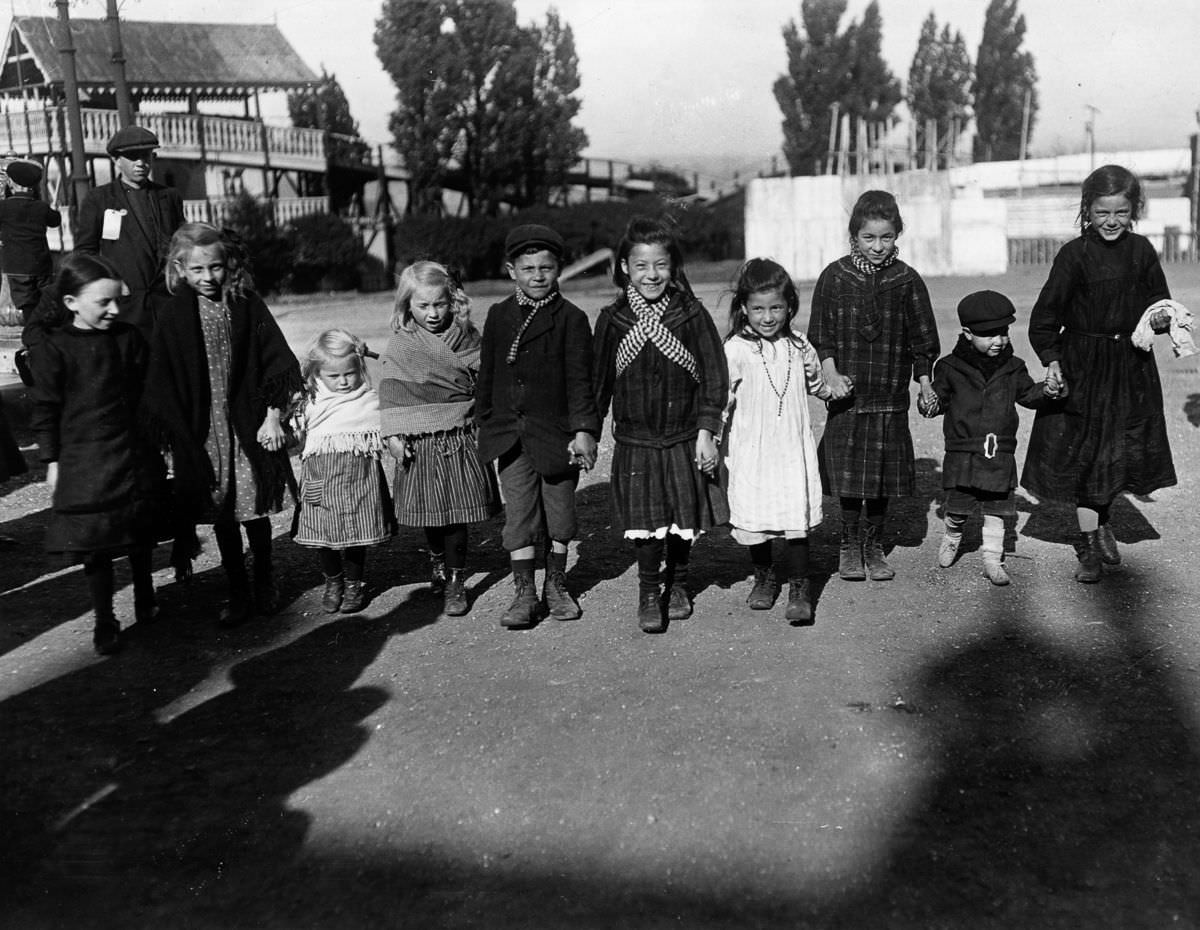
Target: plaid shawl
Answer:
pixel 428 380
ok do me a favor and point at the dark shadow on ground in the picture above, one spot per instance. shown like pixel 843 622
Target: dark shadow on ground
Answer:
pixel 1047 520
pixel 1191 409
pixel 182 806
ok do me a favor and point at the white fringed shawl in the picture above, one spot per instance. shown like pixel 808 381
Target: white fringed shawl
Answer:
pixel 334 422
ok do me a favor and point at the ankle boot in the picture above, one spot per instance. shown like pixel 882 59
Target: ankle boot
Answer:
pixel 266 594
pixel 1110 557
pixel 523 612
pixel 335 588
pixel 651 616
pixel 951 540
pixel 993 567
pixel 559 603
pixel 799 605
pixel 454 603
pixel 106 635
pixel 877 566
pixel 437 572
pixel 765 590
pixel 679 602
pixel 850 555
pixel 1087 550
pixel 240 606
pixel 355 598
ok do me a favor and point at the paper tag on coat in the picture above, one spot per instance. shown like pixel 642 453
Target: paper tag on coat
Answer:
pixel 112 224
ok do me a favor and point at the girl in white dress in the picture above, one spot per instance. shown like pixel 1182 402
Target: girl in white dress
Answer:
pixel 770 452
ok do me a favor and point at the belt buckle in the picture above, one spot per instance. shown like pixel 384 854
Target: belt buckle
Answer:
pixel 990 445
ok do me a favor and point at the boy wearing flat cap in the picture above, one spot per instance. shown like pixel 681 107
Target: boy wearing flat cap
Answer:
pixel 24 252
pixel 130 221
pixel 537 419
pixel 977 388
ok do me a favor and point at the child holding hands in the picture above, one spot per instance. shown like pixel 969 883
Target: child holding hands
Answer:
pixel 770 454
pixel 977 387
pixel 659 363
pixel 873 328
pixel 426 406
pixel 1109 436
pixel 537 419
pixel 88 369
pixel 221 376
pixel 343 497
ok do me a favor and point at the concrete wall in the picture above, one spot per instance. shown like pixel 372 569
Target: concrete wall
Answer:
pixel 802 223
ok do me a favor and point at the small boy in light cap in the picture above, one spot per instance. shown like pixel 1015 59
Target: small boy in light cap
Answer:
pixel 537 419
pixel 978 386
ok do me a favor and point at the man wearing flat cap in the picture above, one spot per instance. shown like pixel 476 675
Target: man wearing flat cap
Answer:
pixel 130 222
pixel 24 219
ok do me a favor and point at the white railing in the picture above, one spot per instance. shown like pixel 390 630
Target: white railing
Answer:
pixel 40 132
pixel 216 210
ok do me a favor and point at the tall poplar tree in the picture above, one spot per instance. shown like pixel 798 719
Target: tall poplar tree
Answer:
pixel 826 66
pixel 939 81
pixel 1004 75
pixel 483 104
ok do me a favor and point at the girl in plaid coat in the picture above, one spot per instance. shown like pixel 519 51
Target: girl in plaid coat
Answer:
pixel 660 364
pixel 873 328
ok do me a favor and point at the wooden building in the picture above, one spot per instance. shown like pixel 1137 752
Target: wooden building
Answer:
pixel 199 88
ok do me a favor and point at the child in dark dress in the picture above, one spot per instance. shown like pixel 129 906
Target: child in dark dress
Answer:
pixel 1109 436
pixel 660 363
pixel 977 387
pixel 874 331
pixel 537 419
pixel 88 373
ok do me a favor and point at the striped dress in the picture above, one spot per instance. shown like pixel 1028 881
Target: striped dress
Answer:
pixel 427 397
pixel 343 491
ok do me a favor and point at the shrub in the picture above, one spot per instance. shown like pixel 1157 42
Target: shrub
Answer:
pixel 475 245
pixel 326 253
pixel 270 252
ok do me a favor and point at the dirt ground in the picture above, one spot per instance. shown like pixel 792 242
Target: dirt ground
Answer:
pixel 932 752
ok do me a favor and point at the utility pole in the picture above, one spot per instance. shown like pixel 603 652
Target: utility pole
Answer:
pixel 117 48
pixel 66 48
pixel 1090 128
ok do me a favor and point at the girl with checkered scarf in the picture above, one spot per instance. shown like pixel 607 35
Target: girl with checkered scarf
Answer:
pixel 660 364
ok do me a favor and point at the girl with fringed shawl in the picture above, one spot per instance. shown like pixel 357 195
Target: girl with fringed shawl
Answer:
pixel 344 506
pixel 426 401
pixel 658 360
pixel 221 376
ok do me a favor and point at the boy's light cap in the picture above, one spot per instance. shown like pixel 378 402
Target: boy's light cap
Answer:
pixel 24 173
pixel 521 238
pixel 132 138
pixel 986 310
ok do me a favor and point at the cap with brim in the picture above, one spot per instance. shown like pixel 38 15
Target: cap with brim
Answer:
pixel 986 312
pixel 24 173
pixel 533 236
pixel 132 139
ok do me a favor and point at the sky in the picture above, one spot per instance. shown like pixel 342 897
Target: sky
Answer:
pixel 679 79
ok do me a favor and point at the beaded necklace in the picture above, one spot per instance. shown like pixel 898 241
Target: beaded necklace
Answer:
pixel 787 380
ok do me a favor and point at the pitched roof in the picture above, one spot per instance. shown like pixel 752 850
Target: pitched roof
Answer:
pixel 205 56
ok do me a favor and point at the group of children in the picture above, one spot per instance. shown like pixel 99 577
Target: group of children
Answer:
pixel 706 430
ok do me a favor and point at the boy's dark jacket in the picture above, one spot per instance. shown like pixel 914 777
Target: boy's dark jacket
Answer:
pixel 981 418
pixel 263 373
pixel 545 397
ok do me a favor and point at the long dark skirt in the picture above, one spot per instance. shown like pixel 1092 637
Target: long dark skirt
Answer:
pixel 866 455
pixel 656 488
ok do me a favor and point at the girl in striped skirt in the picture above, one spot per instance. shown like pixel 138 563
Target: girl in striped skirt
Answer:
pixel 427 401
pixel 343 492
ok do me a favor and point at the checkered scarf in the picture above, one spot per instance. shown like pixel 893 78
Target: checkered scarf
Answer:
pixel 531 307
pixel 649 328
pixel 863 264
